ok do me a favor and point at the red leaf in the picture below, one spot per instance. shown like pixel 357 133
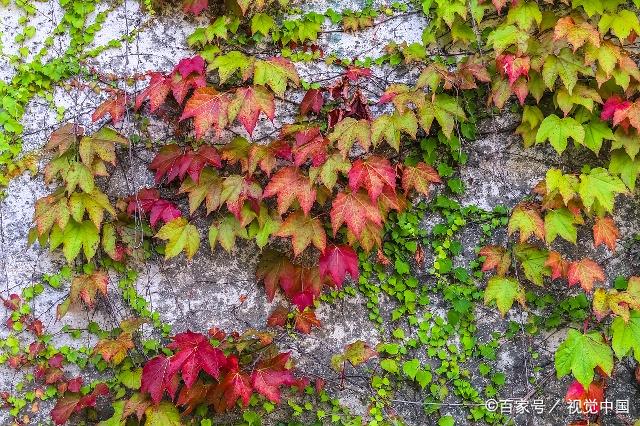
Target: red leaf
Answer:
pixel 74 403
pixel 612 106
pixel 496 257
pixel 305 320
pixel 356 209
pixel 278 317
pixel 180 86
pixel 155 378
pixel 173 161
pixel 195 353
pixel 605 232
pixel 419 177
pixel 115 106
pixel 163 210
pixel 303 286
pixel 233 386
pixel 164 163
pixel 289 184
pixel 194 6
pixel 192 397
pixel 374 174
pixel 310 144
pixel 270 374
pixel 249 102
pixel 156 91
pixel 208 109
pixel 273 268
pixel 513 67
pixel 557 264
pixel 590 401
pixel 354 73
pixel 585 272
pixel 359 107
pixel 143 200
pixel 312 101
pixel 187 66
pixel 336 261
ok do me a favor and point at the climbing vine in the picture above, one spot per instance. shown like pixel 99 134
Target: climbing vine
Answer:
pixel 333 180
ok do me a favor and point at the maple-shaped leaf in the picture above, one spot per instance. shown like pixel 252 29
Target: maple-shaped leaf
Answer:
pixel 557 264
pixel 327 173
pixel 305 320
pixel 389 127
pixel 444 109
pixel 336 261
pixel 207 189
pixel 349 131
pixel 626 336
pixel 51 209
pixel 156 380
pixel 75 402
pixel 165 162
pixel 237 189
pixel 504 291
pixel 586 272
pixel 194 352
pixel 165 413
pixel 266 156
pixel 269 375
pixel 191 398
pixel 289 184
pixel 598 188
pixel 194 6
pixel 192 162
pixel 188 66
pixel 76 236
pixel 143 200
pixel 495 257
pixel 234 385
pixel 419 177
pixel 581 95
pixel 208 109
pixel 231 62
pixel 526 219
pixel 580 354
pixel 180 235
pixel 355 353
pixel 276 73
pixel 311 102
pixel 533 262
pixel 513 66
pixel 115 106
pixel 87 286
pixel 560 222
pixel 524 14
pixel 565 184
pixel 567 66
pixel 279 316
pixel 356 209
pixel 614 106
pixel 303 286
pixel 273 268
pixel 311 145
pixel 627 168
pixel 558 131
pixel 621 24
pixel 373 174
pixel 181 84
pixel 64 137
pixel 163 210
pixel 100 145
pixel 595 132
pixel 267 223
pixel 114 350
pixel 303 231
pixel 225 231
pixel 605 232
pixel 157 91
pixel 576 33
pixel 248 103
pixel 588 400
pixel 137 404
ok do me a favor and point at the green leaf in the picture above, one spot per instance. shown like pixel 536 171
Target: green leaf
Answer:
pixel 558 130
pixel 565 184
pixel 388 127
pixel 580 354
pixel 410 368
pixel 163 414
pixel 560 222
pixel 181 235
pixel 626 336
pixel 595 132
pixel 445 109
pixel 598 185
pixel 532 260
pixel 226 232
pixel 231 62
pixel 116 419
pixel 446 421
pixel 566 65
pixel 507 35
pixel 591 7
pixel 621 24
pixel 275 73
pixel 80 235
pixel 504 291
pixel 389 365
pixel 524 14
pixel 262 23
pixel 628 169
